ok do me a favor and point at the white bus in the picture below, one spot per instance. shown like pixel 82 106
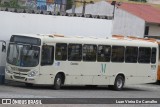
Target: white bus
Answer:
pixel 57 60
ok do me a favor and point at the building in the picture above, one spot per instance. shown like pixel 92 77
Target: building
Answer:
pixel 154 1
pixel 130 19
pixel 137 19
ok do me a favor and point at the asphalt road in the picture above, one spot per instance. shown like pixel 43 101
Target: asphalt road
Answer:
pixel 19 90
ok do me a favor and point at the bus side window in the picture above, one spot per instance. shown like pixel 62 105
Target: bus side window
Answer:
pixel 118 53
pixel 104 53
pixel 153 56
pixel 144 55
pixel 131 54
pixel 74 52
pixel 61 51
pixel 89 52
pixel 47 55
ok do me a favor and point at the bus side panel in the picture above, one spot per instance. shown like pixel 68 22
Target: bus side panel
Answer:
pixel 78 73
pixel 158 73
pixel 142 74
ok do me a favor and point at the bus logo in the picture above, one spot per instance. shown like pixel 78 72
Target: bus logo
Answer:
pixel 103 68
pixel 6 101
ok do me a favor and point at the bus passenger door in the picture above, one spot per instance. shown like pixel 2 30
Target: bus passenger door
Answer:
pixel 46 68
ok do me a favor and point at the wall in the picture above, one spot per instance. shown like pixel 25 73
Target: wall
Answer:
pixel 154 29
pixel 12 23
pixel 98 8
pixel 128 24
pixel 124 22
pixel 154 1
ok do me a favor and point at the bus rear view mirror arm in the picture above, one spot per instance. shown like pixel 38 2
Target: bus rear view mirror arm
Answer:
pixel 3 45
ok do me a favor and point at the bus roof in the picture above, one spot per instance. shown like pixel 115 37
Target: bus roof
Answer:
pixel 114 40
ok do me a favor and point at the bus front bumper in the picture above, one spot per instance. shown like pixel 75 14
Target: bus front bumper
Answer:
pixel 33 80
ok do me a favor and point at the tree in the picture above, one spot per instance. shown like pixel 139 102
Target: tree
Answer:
pixel 69 4
pixel 11 4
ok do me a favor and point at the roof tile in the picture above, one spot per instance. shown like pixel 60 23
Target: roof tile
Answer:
pixel 144 11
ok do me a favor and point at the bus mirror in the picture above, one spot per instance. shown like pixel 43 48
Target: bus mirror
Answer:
pixel 3 48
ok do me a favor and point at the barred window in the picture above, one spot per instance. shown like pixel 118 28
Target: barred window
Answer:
pixel 144 55
pixel 61 51
pixel 131 54
pixel 74 52
pixel 104 53
pixel 89 52
pixel 118 53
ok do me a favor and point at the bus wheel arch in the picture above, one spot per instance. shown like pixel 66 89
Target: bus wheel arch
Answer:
pixel 59 80
pixel 119 82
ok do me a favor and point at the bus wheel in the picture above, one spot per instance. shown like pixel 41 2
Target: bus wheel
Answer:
pixel 28 84
pixel 57 82
pixel 119 83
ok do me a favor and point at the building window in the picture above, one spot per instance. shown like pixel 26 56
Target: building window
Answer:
pixel 118 54
pixel 144 55
pixel 61 51
pixel 74 52
pixel 104 53
pixel 131 54
pixel 146 32
pixel 89 52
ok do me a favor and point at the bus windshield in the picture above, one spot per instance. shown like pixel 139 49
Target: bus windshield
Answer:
pixel 23 55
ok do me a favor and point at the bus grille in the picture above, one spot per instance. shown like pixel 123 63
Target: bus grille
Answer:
pixel 19 69
pixel 18 77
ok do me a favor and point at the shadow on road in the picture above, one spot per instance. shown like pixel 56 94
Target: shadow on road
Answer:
pixel 88 87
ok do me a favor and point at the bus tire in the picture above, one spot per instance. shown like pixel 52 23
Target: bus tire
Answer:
pixel 119 83
pixel 57 82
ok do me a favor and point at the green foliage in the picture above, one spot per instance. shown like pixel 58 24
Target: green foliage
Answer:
pixel 11 4
pixel 69 4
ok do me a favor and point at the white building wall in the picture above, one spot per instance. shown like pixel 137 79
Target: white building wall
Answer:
pixel 154 29
pixel 128 24
pixel 11 23
pixel 98 8
pixel 154 1
pixel 124 23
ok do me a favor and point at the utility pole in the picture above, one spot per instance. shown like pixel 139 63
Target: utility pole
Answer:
pixel 84 5
pixel 115 3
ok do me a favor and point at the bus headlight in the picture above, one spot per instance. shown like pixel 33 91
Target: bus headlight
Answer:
pixel 8 70
pixel 32 73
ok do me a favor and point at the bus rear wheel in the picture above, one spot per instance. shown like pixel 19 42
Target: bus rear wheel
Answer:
pixel 119 83
pixel 57 82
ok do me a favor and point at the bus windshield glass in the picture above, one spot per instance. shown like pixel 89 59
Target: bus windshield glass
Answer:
pixel 23 55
